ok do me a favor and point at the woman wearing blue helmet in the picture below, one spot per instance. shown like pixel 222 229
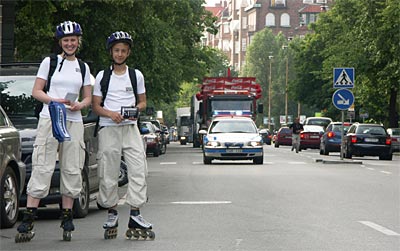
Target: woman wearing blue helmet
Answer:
pixel 66 79
pixel 119 134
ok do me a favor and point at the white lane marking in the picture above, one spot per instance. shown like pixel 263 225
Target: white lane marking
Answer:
pixel 297 163
pixel 370 168
pixel 197 163
pixel 386 172
pixel 200 202
pixel 379 228
pixel 167 163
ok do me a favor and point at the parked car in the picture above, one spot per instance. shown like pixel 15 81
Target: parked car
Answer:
pixel 232 138
pixel 283 137
pixel 12 171
pixel 367 140
pixel 395 135
pixel 320 121
pixel 310 137
pixel 17 82
pixel 266 136
pixel 331 140
pixel 152 138
pixel 163 133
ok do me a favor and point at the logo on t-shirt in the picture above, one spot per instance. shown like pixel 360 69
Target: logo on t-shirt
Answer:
pixel 129 89
pixel 78 70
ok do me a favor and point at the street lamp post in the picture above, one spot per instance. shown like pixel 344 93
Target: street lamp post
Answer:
pixel 269 92
pixel 285 47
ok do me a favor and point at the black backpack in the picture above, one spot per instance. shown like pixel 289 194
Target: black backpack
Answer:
pixel 53 66
pixel 105 82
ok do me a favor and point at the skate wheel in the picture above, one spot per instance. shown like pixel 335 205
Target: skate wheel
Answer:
pixel 151 235
pixel 67 236
pixel 24 237
pixel 110 233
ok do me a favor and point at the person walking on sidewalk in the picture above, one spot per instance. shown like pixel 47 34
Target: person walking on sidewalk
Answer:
pixel 297 128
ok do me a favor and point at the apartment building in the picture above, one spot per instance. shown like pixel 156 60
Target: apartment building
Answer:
pixel 240 20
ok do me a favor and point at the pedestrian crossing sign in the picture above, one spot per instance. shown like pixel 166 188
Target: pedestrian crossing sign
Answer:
pixel 343 77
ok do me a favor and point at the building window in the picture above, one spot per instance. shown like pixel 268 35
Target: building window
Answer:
pixel 278 3
pixel 244 44
pixel 270 19
pixel 226 28
pixel 244 22
pixel 285 20
pixel 308 1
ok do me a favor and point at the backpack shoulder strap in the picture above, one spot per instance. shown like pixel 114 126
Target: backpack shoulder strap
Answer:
pixel 132 76
pixel 52 69
pixel 83 69
pixel 104 82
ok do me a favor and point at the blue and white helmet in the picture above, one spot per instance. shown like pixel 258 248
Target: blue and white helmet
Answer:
pixel 68 28
pixel 118 37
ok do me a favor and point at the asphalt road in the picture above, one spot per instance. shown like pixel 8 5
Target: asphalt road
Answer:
pixel 293 201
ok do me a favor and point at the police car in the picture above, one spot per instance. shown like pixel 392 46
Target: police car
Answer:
pixel 232 138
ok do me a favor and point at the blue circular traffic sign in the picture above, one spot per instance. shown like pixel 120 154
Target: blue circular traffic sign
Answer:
pixel 342 99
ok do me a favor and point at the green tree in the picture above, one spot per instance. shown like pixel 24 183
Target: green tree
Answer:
pixel 166 36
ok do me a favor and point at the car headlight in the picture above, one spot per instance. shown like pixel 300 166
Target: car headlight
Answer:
pixel 255 143
pixel 213 143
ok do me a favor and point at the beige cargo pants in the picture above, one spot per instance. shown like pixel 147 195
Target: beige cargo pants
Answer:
pixel 71 156
pixel 114 141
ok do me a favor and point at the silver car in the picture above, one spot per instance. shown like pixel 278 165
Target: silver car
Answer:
pixel 232 138
pixel 12 171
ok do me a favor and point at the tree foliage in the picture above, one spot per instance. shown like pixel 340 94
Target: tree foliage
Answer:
pixel 166 35
pixel 362 34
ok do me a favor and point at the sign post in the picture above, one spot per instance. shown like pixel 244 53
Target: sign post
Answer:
pixel 343 99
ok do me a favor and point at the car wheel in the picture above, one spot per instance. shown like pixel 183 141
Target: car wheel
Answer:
pixel 163 148
pixel 123 174
pixel 258 160
pixel 206 160
pixel 156 152
pixel 386 157
pixel 9 200
pixel 348 154
pixel 81 204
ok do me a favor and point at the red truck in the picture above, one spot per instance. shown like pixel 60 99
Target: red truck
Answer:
pixel 227 96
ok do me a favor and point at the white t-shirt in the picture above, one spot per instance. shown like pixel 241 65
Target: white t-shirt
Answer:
pixel 69 79
pixel 120 93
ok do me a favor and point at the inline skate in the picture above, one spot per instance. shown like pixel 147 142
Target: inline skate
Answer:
pixel 139 228
pixel 66 224
pixel 25 232
pixel 111 225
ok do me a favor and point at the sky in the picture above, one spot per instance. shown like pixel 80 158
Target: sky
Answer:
pixel 211 2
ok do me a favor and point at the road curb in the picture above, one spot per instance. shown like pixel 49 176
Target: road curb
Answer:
pixel 358 162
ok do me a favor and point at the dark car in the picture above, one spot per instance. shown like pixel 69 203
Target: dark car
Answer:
pixel 12 172
pixel 266 136
pixel 331 140
pixel 283 137
pixel 310 137
pixel 17 81
pixel 367 140
pixel 152 137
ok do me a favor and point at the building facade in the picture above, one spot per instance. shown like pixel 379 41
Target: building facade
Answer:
pixel 239 20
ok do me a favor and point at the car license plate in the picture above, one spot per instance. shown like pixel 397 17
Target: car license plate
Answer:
pixel 371 140
pixel 233 150
pixel 314 137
